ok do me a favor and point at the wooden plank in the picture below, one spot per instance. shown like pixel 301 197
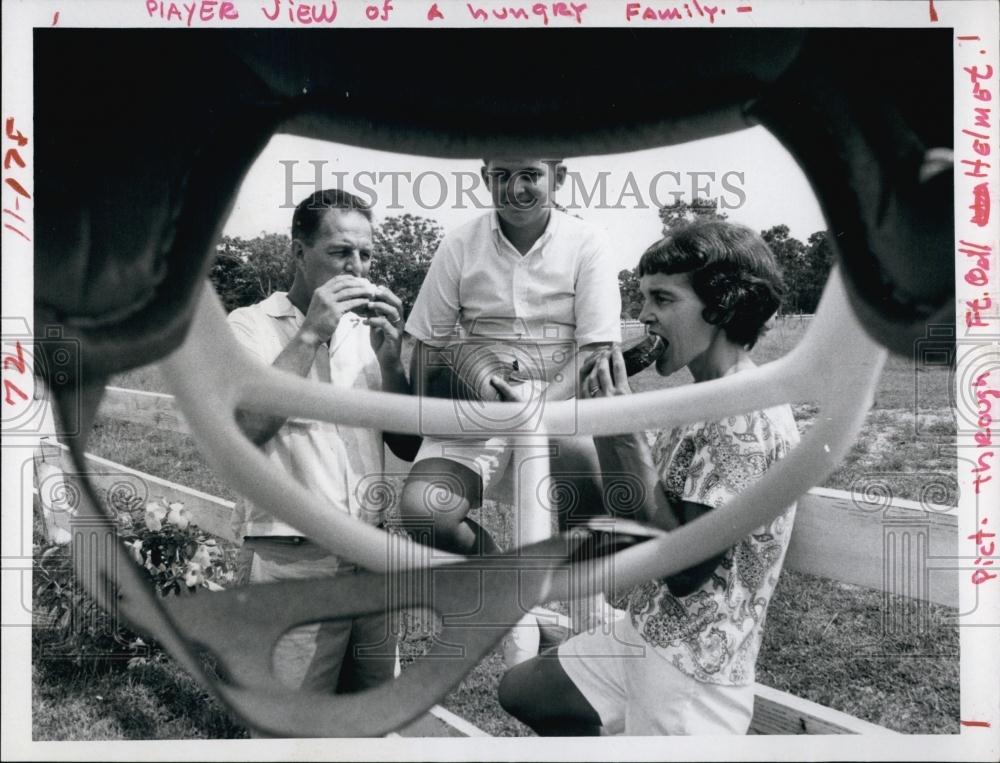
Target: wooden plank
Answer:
pixel 55 524
pixel 872 505
pixel 211 514
pixel 55 499
pixel 148 408
pixel 898 547
pixel 778 712
pixel 456 722
pixel 438 722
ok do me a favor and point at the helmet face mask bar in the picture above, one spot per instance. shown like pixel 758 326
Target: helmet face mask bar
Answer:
pixel 883 204
pixel 842 383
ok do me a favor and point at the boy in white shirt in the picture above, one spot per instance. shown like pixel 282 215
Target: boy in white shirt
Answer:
pixel 531 291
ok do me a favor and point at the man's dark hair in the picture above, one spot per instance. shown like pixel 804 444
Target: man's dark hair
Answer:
pixel 731 269
pixel 309 212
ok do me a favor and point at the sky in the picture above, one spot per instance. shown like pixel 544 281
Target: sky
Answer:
pixel 748 171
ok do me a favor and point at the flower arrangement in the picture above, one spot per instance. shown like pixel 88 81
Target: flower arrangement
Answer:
pixel 177 555
pixel 160 537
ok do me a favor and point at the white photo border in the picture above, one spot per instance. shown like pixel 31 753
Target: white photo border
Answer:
pixel 977 42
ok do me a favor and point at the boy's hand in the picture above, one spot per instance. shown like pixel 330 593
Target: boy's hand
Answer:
pixel 475 366
pixel 509 393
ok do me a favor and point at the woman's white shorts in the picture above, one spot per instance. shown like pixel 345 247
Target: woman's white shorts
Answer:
pixel 637 692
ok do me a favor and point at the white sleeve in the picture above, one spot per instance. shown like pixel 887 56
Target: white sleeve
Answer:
pixel 437 307
pixel 245 329
pixel 598 303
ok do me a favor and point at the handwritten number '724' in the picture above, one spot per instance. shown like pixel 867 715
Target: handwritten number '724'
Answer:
pixel 17 361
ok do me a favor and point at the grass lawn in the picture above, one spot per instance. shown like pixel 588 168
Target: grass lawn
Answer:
pixel 824 640
pixel 157 701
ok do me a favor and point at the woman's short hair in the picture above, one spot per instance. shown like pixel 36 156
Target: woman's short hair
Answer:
pixel 309 213
pixel 731 270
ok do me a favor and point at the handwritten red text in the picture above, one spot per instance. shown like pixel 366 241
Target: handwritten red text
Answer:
pixel 677 11
pixel 15 140
pixel 976 167
pixel 13 394
pixel 984 550
pixel 189 13
pixel 301 13
pixel 984 437
pixel 536 11
pixel 378 12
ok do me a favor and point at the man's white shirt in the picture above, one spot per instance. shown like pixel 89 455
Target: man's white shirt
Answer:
pixel 564 290
pixel 335 463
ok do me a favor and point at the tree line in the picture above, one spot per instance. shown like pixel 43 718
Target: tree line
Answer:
pixel 248 270
pixel 805 266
